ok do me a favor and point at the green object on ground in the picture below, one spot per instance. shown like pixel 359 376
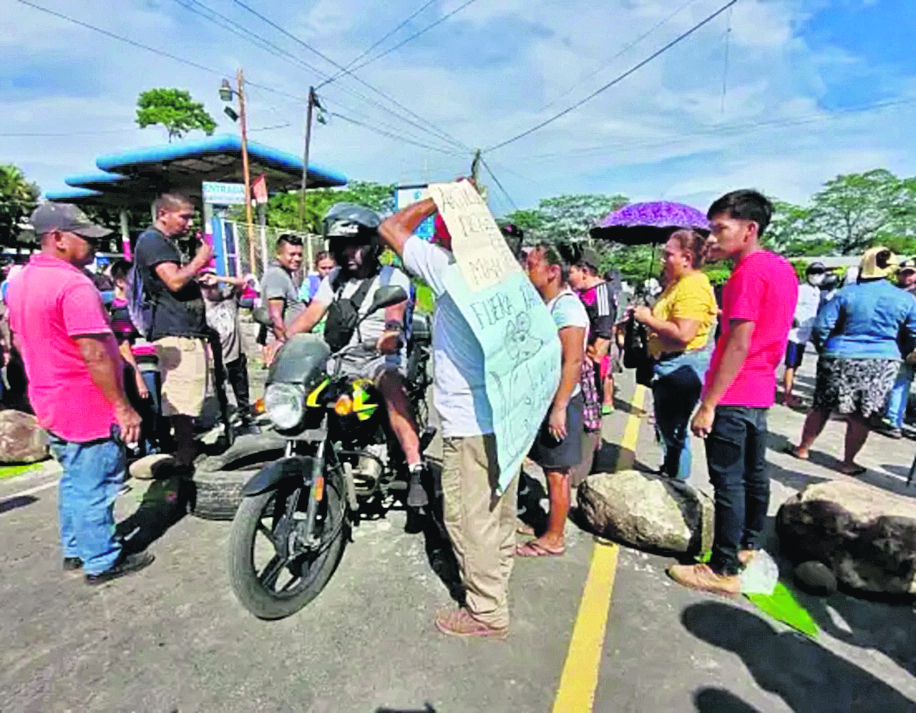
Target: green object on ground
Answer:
pixel 10 470
pixel 782 606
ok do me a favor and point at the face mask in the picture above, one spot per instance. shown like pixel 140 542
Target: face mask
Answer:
pixel 816 280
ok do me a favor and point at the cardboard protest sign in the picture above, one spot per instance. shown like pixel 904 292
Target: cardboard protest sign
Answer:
pixel 477 244
pixel 517 335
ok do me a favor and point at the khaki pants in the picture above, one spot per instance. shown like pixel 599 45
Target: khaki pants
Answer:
pixel 183 364
pixel 480 524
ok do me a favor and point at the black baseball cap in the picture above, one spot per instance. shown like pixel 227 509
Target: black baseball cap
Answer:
pixel 816 267
pixel 68 219
pixel 908 265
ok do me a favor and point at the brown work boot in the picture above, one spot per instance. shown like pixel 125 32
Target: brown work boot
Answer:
pixel 703 578
pixel 460 622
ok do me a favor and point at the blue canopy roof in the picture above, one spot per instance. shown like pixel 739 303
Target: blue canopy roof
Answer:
pixel 137 175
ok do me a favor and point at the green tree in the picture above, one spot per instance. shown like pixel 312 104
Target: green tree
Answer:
pixel 18 198
pixel 175 110
pixel 283 208
pixel 860 209
pixel 790 229
pixel 566 218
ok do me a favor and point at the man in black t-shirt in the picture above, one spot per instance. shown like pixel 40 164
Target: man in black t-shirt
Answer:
pixel 179 326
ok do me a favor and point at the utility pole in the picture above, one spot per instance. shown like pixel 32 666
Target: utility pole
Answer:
pixel 243 124
pixel 475 167
pixel 305 159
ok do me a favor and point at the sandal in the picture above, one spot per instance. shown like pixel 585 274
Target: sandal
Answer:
pixel 793 451
pixel 607 409
pixel 533 548
pixel 525 529
pixel 855 472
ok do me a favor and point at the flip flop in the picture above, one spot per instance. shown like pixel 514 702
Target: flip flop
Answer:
pixel 607 409
pixel 791 450
pixel 855 472
pixel 533 549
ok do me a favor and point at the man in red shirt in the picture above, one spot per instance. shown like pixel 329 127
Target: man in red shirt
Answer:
pixel 757 312
pixel 75 387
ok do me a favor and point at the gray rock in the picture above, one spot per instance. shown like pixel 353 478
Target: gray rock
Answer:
pixel 647 512
pixel 866 536
pixel 21 440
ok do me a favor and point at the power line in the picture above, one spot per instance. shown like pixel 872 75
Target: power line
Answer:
pixel 617 80
pixel 619 54
pixel 390 135
pixel 498 184
pixel 725 129
pixel 270 47
pixel 349 72
pixel 415 35
pixel 379 41
pixel 154 50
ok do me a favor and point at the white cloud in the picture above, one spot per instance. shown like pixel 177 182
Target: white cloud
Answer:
pixel 482 76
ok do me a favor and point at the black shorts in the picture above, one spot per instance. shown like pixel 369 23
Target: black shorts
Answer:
pixel 795 352
pixel 548 452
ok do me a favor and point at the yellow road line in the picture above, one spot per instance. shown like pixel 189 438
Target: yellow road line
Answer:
pixel 576 693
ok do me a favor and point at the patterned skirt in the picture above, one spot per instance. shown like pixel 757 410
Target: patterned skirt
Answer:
pixel 854 386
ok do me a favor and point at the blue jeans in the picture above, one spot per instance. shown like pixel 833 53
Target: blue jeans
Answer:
pixel 736 456
pixel 676 389
pixel 93 474
pixel 900 395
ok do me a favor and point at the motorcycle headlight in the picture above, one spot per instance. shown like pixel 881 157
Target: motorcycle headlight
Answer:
pixel 285 405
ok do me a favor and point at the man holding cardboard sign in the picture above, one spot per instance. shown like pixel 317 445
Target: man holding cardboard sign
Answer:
pixel 497 362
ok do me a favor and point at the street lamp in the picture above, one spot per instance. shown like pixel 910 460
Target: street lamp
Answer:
pixel 226 93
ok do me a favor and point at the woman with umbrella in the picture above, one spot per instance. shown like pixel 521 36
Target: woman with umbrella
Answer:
pixel 680 322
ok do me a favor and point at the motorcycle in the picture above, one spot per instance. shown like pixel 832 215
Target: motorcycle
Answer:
pixel 341 460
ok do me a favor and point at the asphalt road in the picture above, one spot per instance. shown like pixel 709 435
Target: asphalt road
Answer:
pixel 173 638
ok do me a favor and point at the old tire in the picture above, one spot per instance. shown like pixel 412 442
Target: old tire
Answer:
pixel 217 494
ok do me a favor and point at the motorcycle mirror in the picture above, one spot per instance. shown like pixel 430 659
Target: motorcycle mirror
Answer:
pixel 386 297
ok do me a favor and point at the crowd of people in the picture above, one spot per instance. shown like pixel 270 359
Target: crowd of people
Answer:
pixel 99 381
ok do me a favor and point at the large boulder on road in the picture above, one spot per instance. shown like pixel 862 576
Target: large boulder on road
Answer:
pixel 21 439
pixel 866 536
pixel 647 511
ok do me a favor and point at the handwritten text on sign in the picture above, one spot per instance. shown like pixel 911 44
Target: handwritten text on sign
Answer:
pixel 517 335
pixel 479 248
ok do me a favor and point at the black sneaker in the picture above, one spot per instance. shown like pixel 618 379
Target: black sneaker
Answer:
pixel 416 493
pixel 72 564
pixel 126 564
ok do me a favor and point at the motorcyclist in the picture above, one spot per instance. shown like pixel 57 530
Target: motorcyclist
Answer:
pixel 352 234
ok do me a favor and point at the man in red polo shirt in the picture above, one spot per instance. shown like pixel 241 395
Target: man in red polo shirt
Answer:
pixel 75 387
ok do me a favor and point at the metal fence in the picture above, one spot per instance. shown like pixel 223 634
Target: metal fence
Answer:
pixel 238 256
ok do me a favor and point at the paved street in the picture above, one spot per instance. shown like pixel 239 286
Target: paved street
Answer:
pixel 173 638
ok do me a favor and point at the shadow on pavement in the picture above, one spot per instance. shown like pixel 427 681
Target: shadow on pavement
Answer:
pixel 627 407
pixel 804 674
pixel 438 546
pixel 718 700
pixel 164 503
pixel 794 479
pixel 427 708
pixel 19 501
pixel 888 628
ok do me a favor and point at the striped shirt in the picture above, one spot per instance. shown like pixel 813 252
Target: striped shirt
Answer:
pixel 601 306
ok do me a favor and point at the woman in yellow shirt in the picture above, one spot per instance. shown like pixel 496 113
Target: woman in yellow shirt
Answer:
pixel 679 329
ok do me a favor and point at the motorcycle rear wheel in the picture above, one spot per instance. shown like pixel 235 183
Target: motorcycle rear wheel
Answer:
pixel 280 589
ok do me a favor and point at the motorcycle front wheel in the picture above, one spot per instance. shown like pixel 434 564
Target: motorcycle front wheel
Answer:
pixel 268 584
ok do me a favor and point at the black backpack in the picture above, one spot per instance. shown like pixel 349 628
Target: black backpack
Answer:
pixel 343 314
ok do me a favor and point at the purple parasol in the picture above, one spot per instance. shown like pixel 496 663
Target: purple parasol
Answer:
pixel 645 223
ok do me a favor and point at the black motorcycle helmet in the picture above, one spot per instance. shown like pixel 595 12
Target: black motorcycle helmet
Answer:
pixel 348 223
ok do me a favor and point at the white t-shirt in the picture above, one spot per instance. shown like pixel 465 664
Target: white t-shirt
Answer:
pixel 374 325
pixel 567 310
pixel 459 382
pixel 809 301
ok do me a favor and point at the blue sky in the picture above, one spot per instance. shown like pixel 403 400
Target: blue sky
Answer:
pixel 812 88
